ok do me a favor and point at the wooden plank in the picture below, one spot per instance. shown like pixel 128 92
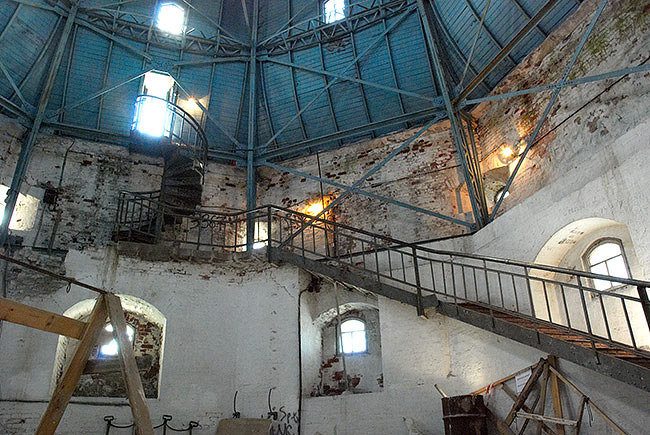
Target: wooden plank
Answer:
pixel 593 406
pixel 513 396
pixel 542 405
pixel 502 380
pixel 68 382
pixel 562 421
pixel 21 314
pixel 525 392
pixel 555 388
pixel 499 424
pixel 134 390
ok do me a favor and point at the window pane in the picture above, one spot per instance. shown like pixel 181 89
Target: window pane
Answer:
pixel 352 325
pixel 170 18
pixel 602 270
pixel 110 349
pixel 359 341
pixel 334 10
pixel 346 341
pixel 617 267
pixel 604 252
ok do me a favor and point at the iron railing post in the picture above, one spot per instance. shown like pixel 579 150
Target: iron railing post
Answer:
pixel 269 233
pixel 645 303
pixel 588 322
pixel 418 289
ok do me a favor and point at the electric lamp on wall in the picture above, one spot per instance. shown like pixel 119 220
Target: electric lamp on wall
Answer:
pixel 509 153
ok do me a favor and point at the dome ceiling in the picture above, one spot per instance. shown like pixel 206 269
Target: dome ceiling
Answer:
pixel 309 94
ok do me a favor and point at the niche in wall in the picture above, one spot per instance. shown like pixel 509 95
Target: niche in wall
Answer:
pixel 102 376
pixel 330 366
pixel 608 317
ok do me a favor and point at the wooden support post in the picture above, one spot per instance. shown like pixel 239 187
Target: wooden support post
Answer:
pixel 22 314
pixel 132 380
pixel 525 392
pixel 68 382
pixel 555 387
pixel 513 396
pixel 599 411
pixel 542 404
pixel 503 428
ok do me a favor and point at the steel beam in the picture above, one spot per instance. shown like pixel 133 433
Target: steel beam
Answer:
pixel 365 193
pixel 350 65
pixel 355 131
pixel 560 84
pixel 472 176
pixel 549 106
pixel 251 181
pixel 17 92
pixel 364 177
pixel 505 51
pixel 95 95
pixel 28 146
pixel 346 78
pixel 311 32
pixel 211 118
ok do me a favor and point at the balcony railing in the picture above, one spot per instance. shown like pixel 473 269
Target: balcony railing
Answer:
pixel 547 296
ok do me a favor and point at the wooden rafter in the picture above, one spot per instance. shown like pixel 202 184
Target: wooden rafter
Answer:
pixel 22 314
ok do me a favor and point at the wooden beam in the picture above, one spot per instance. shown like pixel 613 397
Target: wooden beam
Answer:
pixel 22 314
pixel 502 380
pixel 525 392
pixel 68 382
pixel 132 380
pixel 542 405
pixel 513 396
pixel 555 388
pixel 593 406
pixel 503 428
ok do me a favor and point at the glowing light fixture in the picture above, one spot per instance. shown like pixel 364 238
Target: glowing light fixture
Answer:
pixel 171 18
pixel 506 155
pixel 314 208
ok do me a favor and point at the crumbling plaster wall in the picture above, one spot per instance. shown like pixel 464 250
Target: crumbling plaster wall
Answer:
pixel 230 326
pixel 425 174
pixel 584 124
pixel 94 174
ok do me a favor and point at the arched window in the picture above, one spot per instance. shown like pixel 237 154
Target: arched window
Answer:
pixel 607 257
pixel 110 347
pixel 353 337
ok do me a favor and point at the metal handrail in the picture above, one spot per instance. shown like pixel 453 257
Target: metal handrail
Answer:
pixel 497 284
pixel 180 117
pixel 398 244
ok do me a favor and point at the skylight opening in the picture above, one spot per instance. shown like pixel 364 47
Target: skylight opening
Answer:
pixel 152 116
pixel 111 348
pixel 171 18
pixel 334 10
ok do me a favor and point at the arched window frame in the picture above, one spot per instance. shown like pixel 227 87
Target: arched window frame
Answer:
pixel 595 244
pixel 339 338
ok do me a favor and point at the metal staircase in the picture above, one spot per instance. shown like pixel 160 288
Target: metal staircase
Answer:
pixel 184 148
pixel 553 309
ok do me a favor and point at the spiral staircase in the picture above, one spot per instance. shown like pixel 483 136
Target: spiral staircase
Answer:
pixel 184 149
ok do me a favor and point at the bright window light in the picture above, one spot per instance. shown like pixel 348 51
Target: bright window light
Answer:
pixel 334 10
pixel 607 259
pixel 111 348
pixel 170 18
pixel 152 116
pixel 353 337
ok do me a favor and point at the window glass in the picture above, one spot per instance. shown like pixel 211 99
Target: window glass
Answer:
pixel 334 10
pixel 607 258
pixel 111 348
pixel 170 18
pixel 152 116
pixel 353 337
